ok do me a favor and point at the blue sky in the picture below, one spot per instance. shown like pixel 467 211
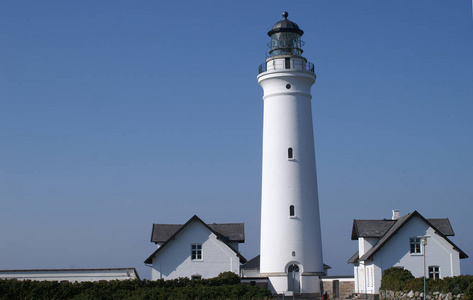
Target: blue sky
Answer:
pixel 118 114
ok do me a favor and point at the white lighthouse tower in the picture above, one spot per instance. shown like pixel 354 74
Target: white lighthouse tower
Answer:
pixel 291 247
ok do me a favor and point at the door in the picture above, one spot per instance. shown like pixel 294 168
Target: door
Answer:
pixel 294 279
pixel 336 289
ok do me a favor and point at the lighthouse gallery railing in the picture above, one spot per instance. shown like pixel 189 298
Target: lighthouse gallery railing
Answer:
pixel 281 64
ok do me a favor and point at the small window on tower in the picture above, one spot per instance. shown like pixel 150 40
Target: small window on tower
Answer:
pixel 290 153
pixel 292 212
pixel 287 63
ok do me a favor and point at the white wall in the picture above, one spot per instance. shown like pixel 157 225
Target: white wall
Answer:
pixel 174 260
pixel 364 278
pixel 365 272
pixel 365 244
pixel 310 284
pixel 355 273
pixel 71 275
pixel 250 273
pixel 396 253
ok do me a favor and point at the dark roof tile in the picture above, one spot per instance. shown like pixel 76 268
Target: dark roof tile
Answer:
pixel 232 232
pixel 443 225
pixel 378 228
pixel 370 228
pixel 354 258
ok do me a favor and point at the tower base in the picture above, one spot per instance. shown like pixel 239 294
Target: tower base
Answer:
pixel 307 286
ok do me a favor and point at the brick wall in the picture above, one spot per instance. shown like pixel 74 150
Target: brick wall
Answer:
pixel 344 288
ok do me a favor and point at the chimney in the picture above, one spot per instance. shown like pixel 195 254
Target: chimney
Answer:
pixel 395 214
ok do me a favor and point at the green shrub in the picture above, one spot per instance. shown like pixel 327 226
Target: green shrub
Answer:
pixel 228 278
pixel 225 286
pixel 457 284
pixel 395 279
pixel 469 291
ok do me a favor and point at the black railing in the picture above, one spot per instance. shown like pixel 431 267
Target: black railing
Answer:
pixel 281 65
pixel 262 68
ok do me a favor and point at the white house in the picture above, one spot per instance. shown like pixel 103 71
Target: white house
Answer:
pixel 71 275
pixel 403 242
pixel 195 249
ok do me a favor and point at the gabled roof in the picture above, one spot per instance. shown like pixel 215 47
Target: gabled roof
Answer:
pixel 252 263
pixel 233 232
pixel 370 228
pixel 443 225
pixel 227 233
pixel 354 258
pixel 444 228
pixel 378 228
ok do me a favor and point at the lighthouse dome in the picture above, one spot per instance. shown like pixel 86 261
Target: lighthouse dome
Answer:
pixel 285 25
pixel 285 38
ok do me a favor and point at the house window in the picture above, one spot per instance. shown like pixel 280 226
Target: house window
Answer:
pixel 415 245
pixel 292 212
pixel 290 153
pixel 434 272
pixel 196 252
pixel 196 277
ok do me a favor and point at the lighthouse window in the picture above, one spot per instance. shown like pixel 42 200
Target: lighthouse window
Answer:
pixel 292 212
pixel 287 63
pixel 290 153
pixel 288 86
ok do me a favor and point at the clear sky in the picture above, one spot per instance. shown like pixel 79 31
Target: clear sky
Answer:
pixel 115 115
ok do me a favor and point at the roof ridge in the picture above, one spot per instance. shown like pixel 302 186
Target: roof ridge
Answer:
pixel 205 223
pixel 374 219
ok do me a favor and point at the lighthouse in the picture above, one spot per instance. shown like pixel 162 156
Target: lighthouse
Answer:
pixel 291 245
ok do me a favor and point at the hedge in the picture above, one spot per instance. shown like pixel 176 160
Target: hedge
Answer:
pixel 225 286
pixel 396 279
